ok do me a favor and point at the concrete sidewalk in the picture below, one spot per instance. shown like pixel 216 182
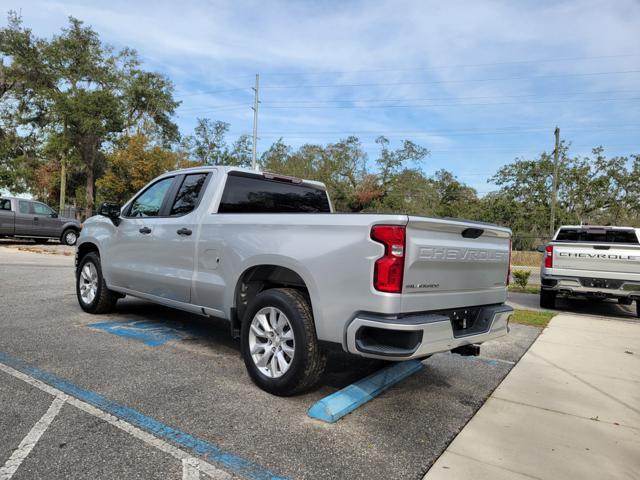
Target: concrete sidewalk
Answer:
pixel 570 409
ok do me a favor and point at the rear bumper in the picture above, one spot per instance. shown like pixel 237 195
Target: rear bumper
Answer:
pixel 583 287
pixel 420 335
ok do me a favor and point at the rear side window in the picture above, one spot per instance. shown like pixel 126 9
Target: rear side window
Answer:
pixel 188 194
pixel 149 202
pixel 595 235
pixel 24 206
pixel 5 204
pixel 252 194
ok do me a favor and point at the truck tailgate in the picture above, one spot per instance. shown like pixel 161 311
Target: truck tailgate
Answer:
pixel 596 258
pixel 453 263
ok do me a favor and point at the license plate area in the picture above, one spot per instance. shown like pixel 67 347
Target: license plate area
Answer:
pixel 469 321
pixel 600 283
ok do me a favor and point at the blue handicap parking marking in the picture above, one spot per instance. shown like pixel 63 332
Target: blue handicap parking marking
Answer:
pixel 150 332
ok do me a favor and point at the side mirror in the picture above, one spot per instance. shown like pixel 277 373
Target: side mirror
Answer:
pixel 111 211
pixel 541 248
pixel 53 215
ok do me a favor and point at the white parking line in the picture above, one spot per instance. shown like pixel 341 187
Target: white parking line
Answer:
pixel 28 442
pixel 202 466
pixel 190 469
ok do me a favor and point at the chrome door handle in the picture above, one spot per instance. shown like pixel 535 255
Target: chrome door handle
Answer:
pixel 184 231
pixel 145 230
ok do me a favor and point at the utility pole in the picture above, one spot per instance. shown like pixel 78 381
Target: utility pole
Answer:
pixel 554 194
pixel 255 122
pixel 63 173
pixel 63 184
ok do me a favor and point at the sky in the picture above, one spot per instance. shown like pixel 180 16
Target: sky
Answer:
pixel 477 83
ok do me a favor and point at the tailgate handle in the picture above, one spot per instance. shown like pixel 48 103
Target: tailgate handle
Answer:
pixel 601 247
pixel 472 232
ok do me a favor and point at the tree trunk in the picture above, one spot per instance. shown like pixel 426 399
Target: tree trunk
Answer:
pixel 88 211
pixel 89 156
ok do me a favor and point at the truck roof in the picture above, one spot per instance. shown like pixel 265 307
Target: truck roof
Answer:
pixel 229 168
pixel 597 227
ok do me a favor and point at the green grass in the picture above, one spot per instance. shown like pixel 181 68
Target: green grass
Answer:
pixel 525 258
pixel 535 289
pixel 529 317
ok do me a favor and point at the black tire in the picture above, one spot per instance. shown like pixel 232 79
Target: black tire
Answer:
pixel 547 299
pixel 638 308
pixel 625 301
pixel 308 362
pixel 104 299
pixel 69 237
pixel 40 241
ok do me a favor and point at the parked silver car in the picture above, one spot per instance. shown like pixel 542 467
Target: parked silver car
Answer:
pixel 22 218
pixel 267 253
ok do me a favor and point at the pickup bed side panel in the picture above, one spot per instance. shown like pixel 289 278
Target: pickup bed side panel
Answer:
pixel 332 253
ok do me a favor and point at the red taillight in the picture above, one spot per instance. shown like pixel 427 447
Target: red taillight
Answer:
pixel 389 269
pixel 509 267
pixel 548 257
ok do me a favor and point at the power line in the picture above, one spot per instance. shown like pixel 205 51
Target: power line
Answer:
pixel 475 97
pixel 498 130
pixel 458 104
pixel 416 105
pixel 341 85
pixel 338 85
pixel 432 68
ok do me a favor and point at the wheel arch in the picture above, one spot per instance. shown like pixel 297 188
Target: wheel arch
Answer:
pixel 262 276
pixel 83 249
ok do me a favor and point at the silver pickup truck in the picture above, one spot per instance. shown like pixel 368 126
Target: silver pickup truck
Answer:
pixel 294 279
pixel 593 262
pixel 22 218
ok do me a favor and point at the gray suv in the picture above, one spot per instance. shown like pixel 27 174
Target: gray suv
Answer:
pixel 22 218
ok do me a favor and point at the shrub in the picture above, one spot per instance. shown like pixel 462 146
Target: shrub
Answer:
pixel 521 278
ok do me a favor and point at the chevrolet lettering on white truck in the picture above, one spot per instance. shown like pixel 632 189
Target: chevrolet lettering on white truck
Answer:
pixel 294 280
pixel 593 262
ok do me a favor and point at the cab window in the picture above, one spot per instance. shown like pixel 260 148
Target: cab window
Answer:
pixel 5 204
pixel 149 202
pixel 41 209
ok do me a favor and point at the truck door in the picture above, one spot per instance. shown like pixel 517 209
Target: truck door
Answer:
pixel 7 217
pixel 25 223
pixel 46 221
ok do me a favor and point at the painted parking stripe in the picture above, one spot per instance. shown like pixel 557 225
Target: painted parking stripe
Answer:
pixel 150 332
pixel 101 405
pixel 335 406
pixel 28 442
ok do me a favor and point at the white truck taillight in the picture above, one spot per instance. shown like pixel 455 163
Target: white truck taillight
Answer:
pixel 389 269
pixel 548 257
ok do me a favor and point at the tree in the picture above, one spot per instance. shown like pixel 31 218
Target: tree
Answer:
pixel 77 88
pixel 133 163
pixel 591 190
pixel 208 145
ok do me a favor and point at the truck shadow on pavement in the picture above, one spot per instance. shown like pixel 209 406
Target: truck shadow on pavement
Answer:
pixel 604 307
pixel 155 325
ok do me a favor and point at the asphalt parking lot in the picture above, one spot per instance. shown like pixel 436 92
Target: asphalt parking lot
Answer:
pixel 183 373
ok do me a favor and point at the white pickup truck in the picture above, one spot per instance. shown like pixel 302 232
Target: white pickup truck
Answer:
pixel 294 279
pixel 594 262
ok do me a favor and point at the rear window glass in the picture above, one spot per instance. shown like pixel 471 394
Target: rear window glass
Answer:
pixel 250 194
pixel 597 236
pixel 188 194
pixel 5 204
